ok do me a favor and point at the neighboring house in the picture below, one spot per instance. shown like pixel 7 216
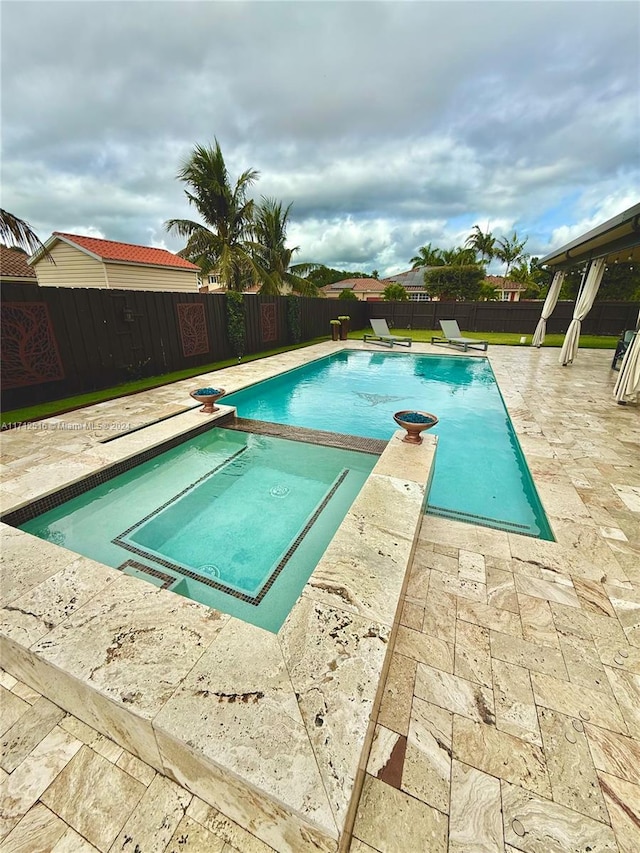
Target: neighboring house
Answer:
pixel 413 283
pixel 89 262
pixel 210 283
pixel 508 291
pixel 365 289
pixel 14 268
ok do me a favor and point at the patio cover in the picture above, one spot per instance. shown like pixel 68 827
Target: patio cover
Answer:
pixel 617 239
pixel 627 385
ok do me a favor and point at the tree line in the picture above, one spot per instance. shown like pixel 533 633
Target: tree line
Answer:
pixel 244 244
pixel 460 272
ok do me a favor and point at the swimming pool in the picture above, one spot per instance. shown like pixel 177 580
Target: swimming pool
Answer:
pixel 233 520
pixel 481 475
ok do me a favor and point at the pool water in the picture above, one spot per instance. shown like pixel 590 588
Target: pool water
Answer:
pixel 234 520
pixel 481 475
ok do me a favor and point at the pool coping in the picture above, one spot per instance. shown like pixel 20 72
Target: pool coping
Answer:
pixel 276 741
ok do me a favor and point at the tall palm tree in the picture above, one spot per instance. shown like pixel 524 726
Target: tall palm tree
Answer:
pixel 427 257
pixel 272 257
pixel 484 243
pixel 510 251
pixel 223 244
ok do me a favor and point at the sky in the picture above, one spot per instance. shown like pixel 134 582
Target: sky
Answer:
pixel 388 125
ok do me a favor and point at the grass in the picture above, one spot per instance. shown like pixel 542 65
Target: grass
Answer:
pixel 503 338
pixel 67 404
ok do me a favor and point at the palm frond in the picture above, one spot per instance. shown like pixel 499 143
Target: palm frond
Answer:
pixel 300 285
pixel 304 269
pixel 16 232
pixel 182 227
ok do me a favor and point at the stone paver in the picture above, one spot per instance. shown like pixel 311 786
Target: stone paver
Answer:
pixel 68 797
pixel 544 697
pixel 511 715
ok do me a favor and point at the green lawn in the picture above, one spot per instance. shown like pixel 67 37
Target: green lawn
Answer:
pixel 503 338
pixel 56 407
pixel 67 404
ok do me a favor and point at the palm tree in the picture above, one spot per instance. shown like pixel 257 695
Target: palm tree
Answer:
pixel 510 251
pixel 457 257
pixel 223 244
pixel 271 256
pixel 16 233
pixel 483 243
pixel 427 257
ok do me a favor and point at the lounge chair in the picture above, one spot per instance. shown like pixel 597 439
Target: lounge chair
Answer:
pixel 452 337
pixel 382 335
pixel 621 347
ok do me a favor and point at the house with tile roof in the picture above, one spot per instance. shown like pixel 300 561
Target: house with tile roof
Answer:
pixel 14 268
pixel 508 290
pixel 365 289
pixel 90 262
pixel 413 283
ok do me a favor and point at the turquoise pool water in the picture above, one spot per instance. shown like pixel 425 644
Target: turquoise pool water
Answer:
pixel 234 520
pixel 480 475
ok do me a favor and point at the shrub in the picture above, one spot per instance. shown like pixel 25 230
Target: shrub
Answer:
pixel 293 320
pixel 235 322
pixel 462 282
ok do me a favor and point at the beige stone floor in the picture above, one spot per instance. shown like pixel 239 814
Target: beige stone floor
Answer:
pixel 511 714
pixel 68 789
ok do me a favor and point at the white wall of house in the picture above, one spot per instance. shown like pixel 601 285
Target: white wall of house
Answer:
pixel 72 268
pixel 141 277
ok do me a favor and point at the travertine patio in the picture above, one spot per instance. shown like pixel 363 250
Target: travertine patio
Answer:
pixel 510 718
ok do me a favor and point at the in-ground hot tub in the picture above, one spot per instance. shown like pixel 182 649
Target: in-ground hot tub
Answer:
pixel 234 520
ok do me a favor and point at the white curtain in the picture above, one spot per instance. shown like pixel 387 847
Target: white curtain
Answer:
pixel 547 309
pixel 583 306
pixel 627 385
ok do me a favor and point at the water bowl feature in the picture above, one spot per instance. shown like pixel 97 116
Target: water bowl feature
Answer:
pixel 414 422
pixel 208 396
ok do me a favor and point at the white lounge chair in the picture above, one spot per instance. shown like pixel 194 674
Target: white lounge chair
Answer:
pixel 382 335
pixel 452 337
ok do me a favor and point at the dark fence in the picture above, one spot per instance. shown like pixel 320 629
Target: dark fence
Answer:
pixel 605 318
pixel 57 342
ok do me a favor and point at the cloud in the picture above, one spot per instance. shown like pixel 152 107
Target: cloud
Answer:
pixel 605 208
pixel 389 125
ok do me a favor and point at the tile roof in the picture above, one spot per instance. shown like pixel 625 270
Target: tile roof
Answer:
pixel 503 283
pixel 412 278
pixel 13 264
pixel 109 250
pixel 358 285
